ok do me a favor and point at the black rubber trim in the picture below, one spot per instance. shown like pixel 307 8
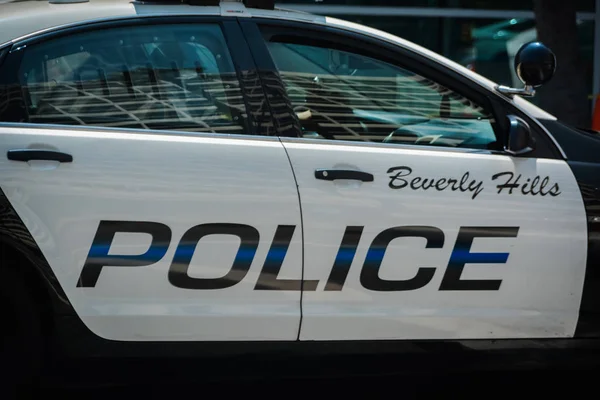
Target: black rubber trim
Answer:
pixel 12 98
pixel 34 154
pixel 250 82
pixel 3 52
pixel 283 118
pixel 252 91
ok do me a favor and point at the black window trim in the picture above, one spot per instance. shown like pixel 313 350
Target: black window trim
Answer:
pixel 410 60
pixel 239 51
pixel 3 52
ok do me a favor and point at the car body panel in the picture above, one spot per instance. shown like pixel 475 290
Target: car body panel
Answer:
pixel 179 181
pixel 541 278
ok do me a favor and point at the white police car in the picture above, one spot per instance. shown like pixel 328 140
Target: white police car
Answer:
pixel 221 172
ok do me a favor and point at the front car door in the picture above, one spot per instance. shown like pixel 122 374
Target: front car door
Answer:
pixel 416 223
pixel 134 162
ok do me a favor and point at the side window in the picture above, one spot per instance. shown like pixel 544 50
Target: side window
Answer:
pixel 176 77
pixel 346 96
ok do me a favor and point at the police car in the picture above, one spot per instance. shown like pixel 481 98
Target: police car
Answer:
pixel 217 172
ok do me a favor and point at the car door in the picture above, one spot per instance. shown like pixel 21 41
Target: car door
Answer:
pixel 417 224
pixel 136 161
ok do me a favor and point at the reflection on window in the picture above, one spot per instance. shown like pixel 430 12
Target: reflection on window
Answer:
pixel 344 96
pixel 174 77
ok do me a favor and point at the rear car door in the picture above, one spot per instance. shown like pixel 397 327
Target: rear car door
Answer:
pixel 417 224
pixel 132 153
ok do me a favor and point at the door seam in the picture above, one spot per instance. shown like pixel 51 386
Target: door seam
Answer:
pixel 302 239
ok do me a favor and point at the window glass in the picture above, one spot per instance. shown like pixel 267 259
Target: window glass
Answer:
pixel 345 96
pixel 177 77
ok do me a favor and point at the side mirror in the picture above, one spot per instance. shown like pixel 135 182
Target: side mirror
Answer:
pixel 520 139
pixel 535 65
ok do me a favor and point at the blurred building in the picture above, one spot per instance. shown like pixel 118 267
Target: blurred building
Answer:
pixel 481 34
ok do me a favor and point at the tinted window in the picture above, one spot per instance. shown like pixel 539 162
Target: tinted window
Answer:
pixel 177 77
pixel 346 96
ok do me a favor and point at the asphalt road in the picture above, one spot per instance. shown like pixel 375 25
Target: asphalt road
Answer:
pixel 174 379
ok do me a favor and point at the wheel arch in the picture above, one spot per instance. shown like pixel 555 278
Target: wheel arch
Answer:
pixel 12 258
pixel 18 250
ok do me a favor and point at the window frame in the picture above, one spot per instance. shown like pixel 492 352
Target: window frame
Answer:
pixel 237 47
pixel 404 58
pixel 354 92
pixel 3 53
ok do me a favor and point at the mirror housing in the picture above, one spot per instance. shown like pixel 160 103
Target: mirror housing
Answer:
pixel 535 65
pixel 520 140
